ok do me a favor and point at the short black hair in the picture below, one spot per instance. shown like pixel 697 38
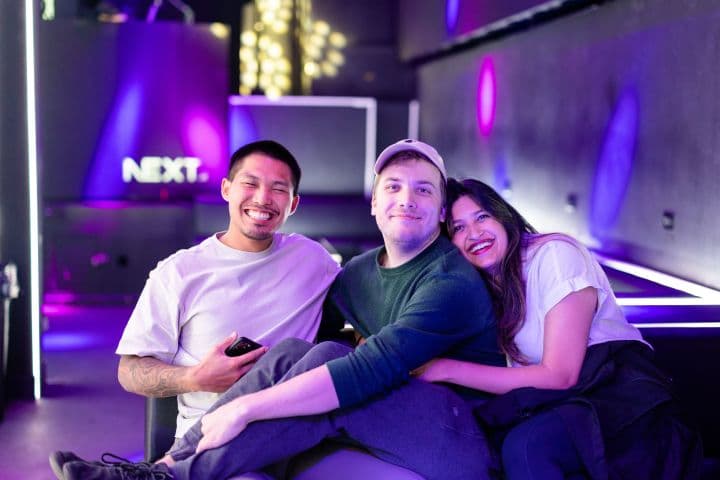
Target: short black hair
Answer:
pixel 273 150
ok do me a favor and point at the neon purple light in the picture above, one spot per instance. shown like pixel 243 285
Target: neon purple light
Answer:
pixel 452 7
pixel 486 96
pixel 501 177
pixel 99 258
pixel 614 166
pixel 203 138
pixel 109 204
pixel 118 139
pixel 60 342
pixel 242 127
pixel 57 309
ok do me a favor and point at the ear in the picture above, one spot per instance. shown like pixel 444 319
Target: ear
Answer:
pixel 225 189
pixel 294 204
pixel 442 214
pixel 373 204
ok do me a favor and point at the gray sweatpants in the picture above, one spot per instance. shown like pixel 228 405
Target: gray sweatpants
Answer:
pixel 423 427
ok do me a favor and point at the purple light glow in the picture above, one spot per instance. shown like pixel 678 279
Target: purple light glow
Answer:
pixel 99 258
pixel 55 302
pixel 678 325
pixel 242 126
pixel 614 166
pixel 117 139
pixel 137 456
pixel 486 96
pixel 109 204
pixel 203 138
pixel 501 177
pixel 61 342
pixel 162 115
pixel 452 7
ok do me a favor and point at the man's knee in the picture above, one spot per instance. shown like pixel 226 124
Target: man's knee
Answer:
pixel 287 350
pixel 322 353
pixel 317 356
pixel 326 351
pixel 273 365
pixel 292 344
pixel 294 349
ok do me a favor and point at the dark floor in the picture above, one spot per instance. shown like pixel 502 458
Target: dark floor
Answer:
pixel 85 410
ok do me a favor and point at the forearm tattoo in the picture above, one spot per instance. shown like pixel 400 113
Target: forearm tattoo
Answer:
pixel 151 377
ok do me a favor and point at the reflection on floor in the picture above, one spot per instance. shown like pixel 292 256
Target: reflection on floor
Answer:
pixel 83 408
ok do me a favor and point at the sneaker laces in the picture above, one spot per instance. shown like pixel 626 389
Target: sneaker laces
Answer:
pixel 135 471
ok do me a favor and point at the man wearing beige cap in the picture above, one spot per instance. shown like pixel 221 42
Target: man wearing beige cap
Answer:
pixel 411 300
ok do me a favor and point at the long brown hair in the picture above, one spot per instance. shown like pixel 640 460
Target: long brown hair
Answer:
pixel 506 283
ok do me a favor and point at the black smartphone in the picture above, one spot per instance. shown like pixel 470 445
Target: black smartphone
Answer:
pixel 241 346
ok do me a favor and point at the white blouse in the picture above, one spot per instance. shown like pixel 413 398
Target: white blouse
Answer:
pixel 554 267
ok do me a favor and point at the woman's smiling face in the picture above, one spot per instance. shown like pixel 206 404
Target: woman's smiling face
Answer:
pixel 479 236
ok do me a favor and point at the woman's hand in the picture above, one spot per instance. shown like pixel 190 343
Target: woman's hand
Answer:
pixel 222 425
pixel 432 371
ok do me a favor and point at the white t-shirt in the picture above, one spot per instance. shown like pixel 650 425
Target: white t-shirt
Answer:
pixel 198 296
pixel 553 268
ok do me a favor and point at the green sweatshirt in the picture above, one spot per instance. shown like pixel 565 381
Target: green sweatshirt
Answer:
pixel 434 305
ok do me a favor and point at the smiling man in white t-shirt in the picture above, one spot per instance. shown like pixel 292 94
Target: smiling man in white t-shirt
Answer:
pixel 249 280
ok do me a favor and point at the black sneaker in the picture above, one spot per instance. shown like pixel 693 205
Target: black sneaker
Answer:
pixel 60 458
pixel 116 469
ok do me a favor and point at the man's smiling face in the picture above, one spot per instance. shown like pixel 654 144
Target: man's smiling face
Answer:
pixel 260 197
pixel 407 203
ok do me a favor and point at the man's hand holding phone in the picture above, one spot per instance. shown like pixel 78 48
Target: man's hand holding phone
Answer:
pixel 218 370
pixel 241 346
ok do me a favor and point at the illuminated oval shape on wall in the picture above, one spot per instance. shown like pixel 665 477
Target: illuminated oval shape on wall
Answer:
pixel 242 127
pixel 486 97
pixel 614 165
pixel 203 138
pixel 452 7
pixel 118 139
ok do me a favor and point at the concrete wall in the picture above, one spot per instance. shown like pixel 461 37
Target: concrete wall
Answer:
pixel 602 123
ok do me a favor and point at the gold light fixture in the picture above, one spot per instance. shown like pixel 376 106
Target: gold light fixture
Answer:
pixel 283 48
pixel 48 10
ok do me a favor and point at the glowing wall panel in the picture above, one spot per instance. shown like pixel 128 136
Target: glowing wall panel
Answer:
pixel 605 126
pixel 333 138
pixel 132 111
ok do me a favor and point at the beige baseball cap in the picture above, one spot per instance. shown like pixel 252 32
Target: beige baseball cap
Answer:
pixel 414 146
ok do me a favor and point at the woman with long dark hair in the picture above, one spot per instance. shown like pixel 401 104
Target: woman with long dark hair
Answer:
pixel 583 397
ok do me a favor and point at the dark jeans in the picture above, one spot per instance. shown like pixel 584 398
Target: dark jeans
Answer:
pixel 270 369
pixel 541 448
pixel 420 426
